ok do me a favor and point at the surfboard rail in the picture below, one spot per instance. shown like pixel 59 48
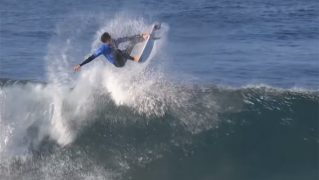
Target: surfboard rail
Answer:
pixel 144 49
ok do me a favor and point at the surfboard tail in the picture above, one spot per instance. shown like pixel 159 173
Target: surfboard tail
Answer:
pixel 157 26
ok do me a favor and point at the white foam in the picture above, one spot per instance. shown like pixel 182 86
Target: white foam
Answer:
pixel 59 109
pixel 125 85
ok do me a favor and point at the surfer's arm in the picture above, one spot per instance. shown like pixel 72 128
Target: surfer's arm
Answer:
pixel 87 60
pixel 97 53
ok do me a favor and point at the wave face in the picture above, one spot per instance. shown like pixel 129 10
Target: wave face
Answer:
pixel 187 132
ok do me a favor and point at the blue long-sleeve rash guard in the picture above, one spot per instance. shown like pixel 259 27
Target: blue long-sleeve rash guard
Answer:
pixel 108 50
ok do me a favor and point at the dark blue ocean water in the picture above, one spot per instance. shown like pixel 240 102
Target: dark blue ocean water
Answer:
pixel 230 92
pixel 216 42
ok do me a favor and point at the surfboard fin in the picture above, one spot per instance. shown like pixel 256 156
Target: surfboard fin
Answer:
pixel 157 26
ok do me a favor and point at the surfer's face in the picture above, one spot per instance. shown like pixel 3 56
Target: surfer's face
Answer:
pixel 109 41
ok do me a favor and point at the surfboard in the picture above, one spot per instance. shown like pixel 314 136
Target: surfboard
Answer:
pixel 144 49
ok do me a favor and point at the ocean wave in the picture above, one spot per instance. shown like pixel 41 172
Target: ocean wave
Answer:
pixel 107 123
pixel 165 119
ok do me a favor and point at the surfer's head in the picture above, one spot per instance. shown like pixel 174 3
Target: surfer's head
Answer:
pixel 105 37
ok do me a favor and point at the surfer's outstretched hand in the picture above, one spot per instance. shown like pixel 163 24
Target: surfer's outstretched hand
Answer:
pixel 77 68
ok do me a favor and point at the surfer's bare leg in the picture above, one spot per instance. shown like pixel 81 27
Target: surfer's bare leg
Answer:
pixel 136 58
pixel 124 55
pixel 133 58
pixel 136 40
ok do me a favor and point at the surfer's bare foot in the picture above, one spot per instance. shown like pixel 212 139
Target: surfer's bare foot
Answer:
pixel 145 35
pixel 136 58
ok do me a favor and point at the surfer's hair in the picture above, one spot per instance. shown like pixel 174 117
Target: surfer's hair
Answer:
pixel 105 37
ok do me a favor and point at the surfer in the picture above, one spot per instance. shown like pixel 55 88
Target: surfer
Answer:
pixel 113 54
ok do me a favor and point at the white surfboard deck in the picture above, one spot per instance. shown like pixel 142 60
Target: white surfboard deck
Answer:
pixel 144 49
